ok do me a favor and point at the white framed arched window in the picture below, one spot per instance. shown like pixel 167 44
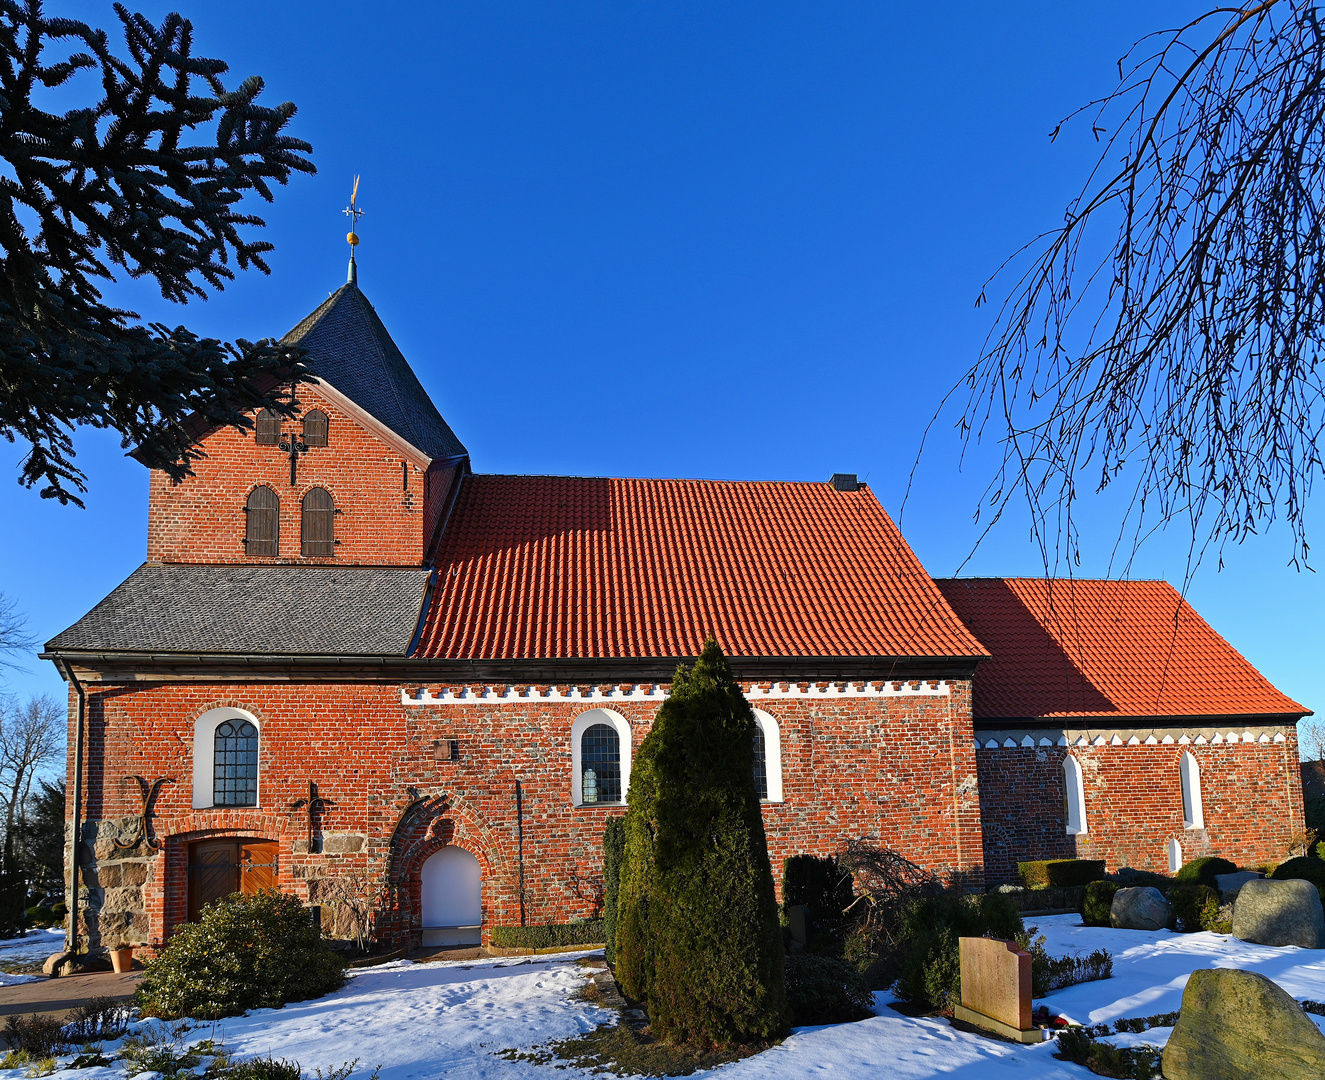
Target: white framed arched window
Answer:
pixel 768 758
pixel 227 776
pixel 600 759
pixel 1074 794
pixel 1193 810
pixel 1175 855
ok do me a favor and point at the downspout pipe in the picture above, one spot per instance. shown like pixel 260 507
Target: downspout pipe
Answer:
pixel 71 941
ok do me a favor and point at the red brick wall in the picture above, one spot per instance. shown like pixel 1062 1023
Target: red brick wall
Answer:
pixel 201 519
pixel 898 769
pixel 1251 793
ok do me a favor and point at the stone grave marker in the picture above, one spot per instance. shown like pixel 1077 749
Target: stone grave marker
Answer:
pixel 996 988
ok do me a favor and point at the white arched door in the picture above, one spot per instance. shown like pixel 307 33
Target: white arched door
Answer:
pixel 450 896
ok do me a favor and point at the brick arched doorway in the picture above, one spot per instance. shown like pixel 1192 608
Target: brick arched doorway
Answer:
pixel 450 898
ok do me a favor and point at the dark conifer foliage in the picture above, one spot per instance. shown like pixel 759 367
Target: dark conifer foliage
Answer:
pixel 697 925
pixel 41 839
pixel 146 178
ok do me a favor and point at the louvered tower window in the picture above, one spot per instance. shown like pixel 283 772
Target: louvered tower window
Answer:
pixel 235 775
pixel 268 429
pixel 319 526
pixel 761 763
pixel 315 428
pixel 600 765
pixel 262 528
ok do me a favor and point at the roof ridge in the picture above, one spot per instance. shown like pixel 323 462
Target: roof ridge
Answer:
pixel 662 480
pixel 1073 580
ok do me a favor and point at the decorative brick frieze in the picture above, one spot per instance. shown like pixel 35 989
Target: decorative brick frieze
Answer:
pixel 655 692
pixel 990 739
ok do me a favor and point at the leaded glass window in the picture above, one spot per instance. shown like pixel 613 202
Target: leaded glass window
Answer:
pixel 600 765
pixel 235 771
pixel 761 763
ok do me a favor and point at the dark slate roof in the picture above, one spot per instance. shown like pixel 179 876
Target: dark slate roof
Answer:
pixel 350 348
pixel 287 610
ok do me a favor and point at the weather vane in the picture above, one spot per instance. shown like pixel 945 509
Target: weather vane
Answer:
pixel 352 238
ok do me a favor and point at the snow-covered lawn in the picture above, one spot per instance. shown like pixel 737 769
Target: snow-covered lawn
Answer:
pixel 422 1021
pixel 25 950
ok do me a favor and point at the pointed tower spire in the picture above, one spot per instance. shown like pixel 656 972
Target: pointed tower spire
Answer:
pixel 352 237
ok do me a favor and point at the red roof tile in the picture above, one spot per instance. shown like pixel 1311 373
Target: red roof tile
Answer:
pixel 1098 648
pixel 545 567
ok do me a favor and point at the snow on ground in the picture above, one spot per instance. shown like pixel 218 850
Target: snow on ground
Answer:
pixel 422 1021
pixel 26 949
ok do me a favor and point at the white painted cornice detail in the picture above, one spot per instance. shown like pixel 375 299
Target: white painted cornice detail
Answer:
pixel 778 691
pixel 1006 738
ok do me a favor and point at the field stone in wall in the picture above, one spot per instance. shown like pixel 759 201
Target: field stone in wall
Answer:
pixel 1140 909
pixel 1238 1025
pixel 1269 912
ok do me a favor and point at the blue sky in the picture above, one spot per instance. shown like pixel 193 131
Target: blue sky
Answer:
pixel 683 239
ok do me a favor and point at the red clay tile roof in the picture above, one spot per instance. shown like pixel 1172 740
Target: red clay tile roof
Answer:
pixel 1099 648
pixel 544 567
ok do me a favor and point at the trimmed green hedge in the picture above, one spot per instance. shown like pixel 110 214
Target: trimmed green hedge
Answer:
pixel 1304 867
pixel 1202 871
pixel 1098 903
pixel 548 936
pixel 1054 873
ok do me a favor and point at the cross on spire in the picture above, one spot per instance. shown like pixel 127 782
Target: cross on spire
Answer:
pixel 352 237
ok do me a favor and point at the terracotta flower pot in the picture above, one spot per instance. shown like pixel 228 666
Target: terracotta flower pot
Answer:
pixel 122 959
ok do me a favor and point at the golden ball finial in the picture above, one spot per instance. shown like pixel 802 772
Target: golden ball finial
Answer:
pixel 352 239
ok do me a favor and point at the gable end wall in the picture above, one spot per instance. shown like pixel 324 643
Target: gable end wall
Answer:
pixel 201 519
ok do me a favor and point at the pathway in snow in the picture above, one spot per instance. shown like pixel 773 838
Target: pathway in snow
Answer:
pixel 424 1021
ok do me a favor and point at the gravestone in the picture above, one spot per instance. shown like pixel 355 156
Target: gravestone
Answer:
pixel 1229 884
pixel 798 919
pixel 996 988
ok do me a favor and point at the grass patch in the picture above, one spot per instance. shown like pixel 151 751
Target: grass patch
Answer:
pixel 624 1050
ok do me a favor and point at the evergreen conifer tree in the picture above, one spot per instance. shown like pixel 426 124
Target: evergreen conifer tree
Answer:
pixel 150 174
pixel 697 933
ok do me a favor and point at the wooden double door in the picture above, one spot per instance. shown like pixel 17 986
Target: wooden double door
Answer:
pixel 220 867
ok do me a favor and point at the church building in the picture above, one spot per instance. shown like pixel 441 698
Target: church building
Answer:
pixel 350 661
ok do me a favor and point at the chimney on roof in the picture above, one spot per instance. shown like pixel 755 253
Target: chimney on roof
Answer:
pixel 844 481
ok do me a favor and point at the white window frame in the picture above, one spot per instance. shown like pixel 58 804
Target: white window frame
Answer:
pixel 1075 788
pixel 204 755
pixel 1175 855
pixel 582 724
pixel 772 755
pixel 1193 808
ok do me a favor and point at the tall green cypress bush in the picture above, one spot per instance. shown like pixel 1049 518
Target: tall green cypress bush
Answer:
pixel 614 849
pixel 697 933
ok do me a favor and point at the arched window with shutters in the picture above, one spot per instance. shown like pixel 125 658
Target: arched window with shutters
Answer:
pixel 267 430
pixel 263 522
pixel 319 523
pixel 315 428
pixel 235 764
